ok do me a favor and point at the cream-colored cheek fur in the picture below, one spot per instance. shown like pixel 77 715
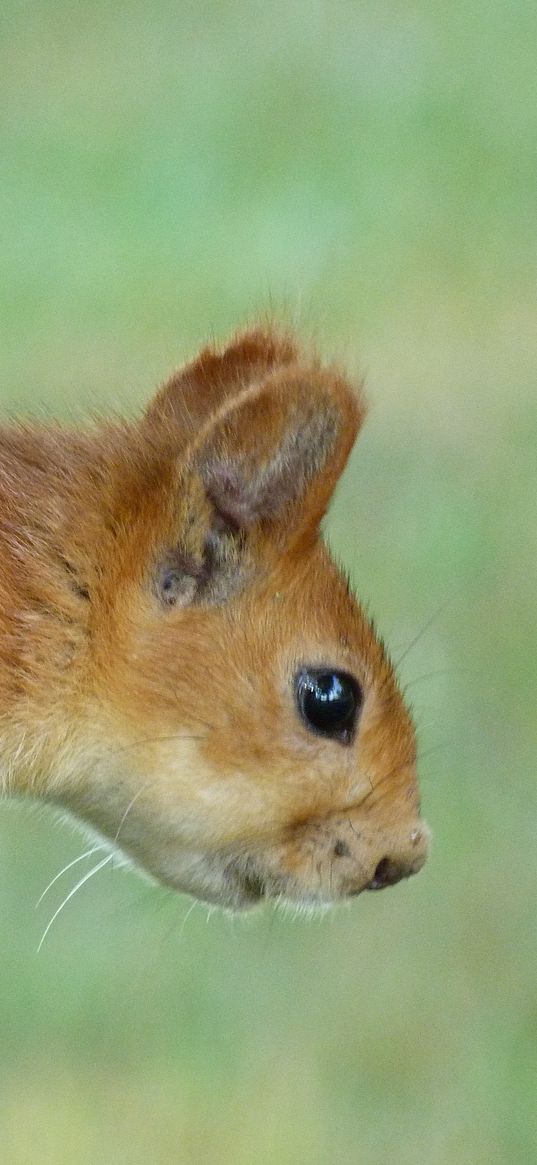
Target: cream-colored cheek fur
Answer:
pixel 231 838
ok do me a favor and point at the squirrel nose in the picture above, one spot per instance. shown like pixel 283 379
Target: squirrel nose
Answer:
pixel 387 873
pixel 394 857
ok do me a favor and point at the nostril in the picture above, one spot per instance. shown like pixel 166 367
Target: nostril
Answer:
pixel 387 873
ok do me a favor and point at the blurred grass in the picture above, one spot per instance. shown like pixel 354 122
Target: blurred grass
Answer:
pixel 367 171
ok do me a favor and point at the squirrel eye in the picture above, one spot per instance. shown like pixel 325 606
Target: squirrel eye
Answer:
pixel 329 702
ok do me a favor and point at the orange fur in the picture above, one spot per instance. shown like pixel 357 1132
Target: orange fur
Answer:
pixel 161 582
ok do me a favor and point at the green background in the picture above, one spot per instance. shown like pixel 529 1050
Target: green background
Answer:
pixel 368 172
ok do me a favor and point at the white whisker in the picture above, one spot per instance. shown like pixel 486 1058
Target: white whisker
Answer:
pixel 79 884
pixel 96 849
pixel 132 801
pixel 186 917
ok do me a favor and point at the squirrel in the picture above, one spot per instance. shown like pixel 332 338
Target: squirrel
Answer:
pixel 182 665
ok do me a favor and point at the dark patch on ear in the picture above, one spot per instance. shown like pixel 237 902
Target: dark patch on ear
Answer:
pixel 182 581
pixel 226 565
pixel 177 579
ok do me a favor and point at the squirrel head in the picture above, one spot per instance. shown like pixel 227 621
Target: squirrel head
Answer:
pixel 247 735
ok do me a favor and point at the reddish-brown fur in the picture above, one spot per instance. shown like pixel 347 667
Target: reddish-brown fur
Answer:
pixel 161 582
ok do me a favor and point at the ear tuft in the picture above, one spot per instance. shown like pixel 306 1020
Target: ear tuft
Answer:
pixel 203 386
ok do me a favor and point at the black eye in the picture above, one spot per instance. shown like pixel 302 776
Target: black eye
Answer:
pixel 329 702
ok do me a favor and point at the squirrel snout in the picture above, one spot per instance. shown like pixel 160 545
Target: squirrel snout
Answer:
pixel 374 862
pixel 340 857
pixel 404 858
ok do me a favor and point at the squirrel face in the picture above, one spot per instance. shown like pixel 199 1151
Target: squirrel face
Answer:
pixel 235 725
pixel 226 786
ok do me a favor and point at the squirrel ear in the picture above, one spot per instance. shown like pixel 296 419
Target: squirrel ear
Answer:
pixel 260 436
pixel 202 387
pixel 275 452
